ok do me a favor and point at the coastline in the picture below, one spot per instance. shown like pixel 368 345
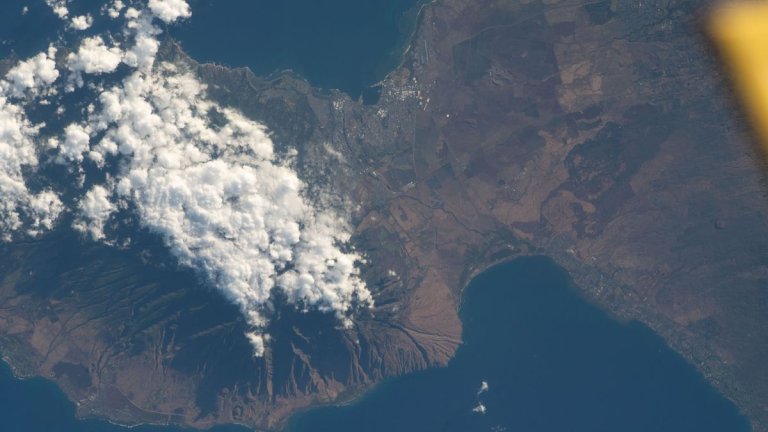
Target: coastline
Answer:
pixel 623 312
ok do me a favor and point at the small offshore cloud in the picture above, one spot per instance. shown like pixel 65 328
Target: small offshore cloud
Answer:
pixel 114 9
pixel 480 409
pixel 215 192
pixel 81 22
pixel 59 7
pixel 170 10
pixel 483 387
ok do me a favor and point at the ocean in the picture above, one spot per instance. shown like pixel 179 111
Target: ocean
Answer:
pixel 38 405
pixel 343 44
pixel 536 357
pixel 550 361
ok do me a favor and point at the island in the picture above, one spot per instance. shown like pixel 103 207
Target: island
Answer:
pixel 601 134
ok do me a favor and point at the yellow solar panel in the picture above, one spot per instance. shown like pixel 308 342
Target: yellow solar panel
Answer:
pixel 741 31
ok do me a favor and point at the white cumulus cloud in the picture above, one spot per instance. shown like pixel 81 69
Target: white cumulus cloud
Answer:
pixel 93 211
pixel 93 57
pixel 81 22
pixel 169 10
pixel 220 198
pixel 59 7
pixel 114 9
pixel 480 409
pixel 20 208
pixel 31 74
pixel 202 177
pixel 74 145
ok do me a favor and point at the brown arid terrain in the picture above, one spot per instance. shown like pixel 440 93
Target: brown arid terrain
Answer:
pixel 599 133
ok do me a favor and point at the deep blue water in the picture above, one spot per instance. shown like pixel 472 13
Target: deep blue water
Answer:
pixel 343 44
pixel 552 362
pixel 37 405
pixel 26 34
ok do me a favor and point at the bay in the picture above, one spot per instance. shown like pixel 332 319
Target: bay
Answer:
pixel 552 362
pixel 342 44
